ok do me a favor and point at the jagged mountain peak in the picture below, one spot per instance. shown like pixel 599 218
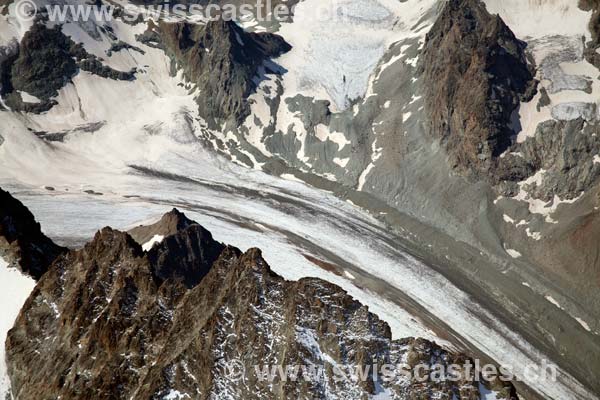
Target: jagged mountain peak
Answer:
pixel 477 73
pixel 177 217
pixel 185 256
pixel 222 60
pixel 114 331
pixel 169 224
pixel 21 239
pixel 109 241
pixel 177 248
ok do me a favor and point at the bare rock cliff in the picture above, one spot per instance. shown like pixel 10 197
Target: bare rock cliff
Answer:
pixel 112 321
pixel 476 73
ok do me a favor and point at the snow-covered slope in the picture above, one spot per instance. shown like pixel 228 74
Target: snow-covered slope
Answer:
pixel 530 19
pixel 338 44
pixel 14 290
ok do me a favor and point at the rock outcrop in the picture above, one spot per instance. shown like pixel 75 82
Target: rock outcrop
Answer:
pixel 221 59
pixel 22 242
pixel 592 47
pixel 170 223
pixel 111 321
pixel 564 153
pixel 44 62
pixel 476 74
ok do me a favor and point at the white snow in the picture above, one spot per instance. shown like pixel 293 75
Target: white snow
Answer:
pixel 14 290
pixel 532 234
pixel 537 206
pixel 342 162
pixel 176 395
pixel 12 26
pixel 486 394
pixel 381 393
pixel 28 98
pixel 540 18
pixel 553 301
pixel 323 133
pixel 291 177
pixel 557 48
pixel 338 43
pixel 362 179
pixel 584 324
pixel 349 275
pixel 573 111
pixel 529 118
pixel 508 219
pixel 513 253
pixel 149 244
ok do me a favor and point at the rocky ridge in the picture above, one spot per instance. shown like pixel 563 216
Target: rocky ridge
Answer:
pixel 476 74
pixel 43 62
pixel 114 321
pixel 22 243
pixel 221 59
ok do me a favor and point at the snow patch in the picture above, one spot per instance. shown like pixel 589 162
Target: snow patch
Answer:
pixel 342 162
pixel 539 18
pixel 513 253
pixel 362 179
pixel 323 133
pixel 149 244
pixel 176 395
pixel 349 275
pixel 15 288
pixel 584 324
pixel 28 98
pixel 291 177
pixel 553 301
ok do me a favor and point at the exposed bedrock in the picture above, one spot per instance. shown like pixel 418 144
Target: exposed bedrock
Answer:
pixel 476 74
pixel 111 321
pixel 221 60
pixel 43 63
pixel 22 242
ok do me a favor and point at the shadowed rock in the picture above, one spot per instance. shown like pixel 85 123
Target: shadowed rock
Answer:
pixel 21 240
pixel 476 73
pixel 221 59
pixel 170 223
pixel 111 321
pixel 43 63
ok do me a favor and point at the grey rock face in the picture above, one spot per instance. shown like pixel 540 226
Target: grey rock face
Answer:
pixel 566 151
pixel 571 50
pixel 102 325
pixel 573 111
pixel 222 60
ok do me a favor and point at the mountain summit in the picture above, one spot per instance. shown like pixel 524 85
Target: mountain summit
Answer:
pixel 111 321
